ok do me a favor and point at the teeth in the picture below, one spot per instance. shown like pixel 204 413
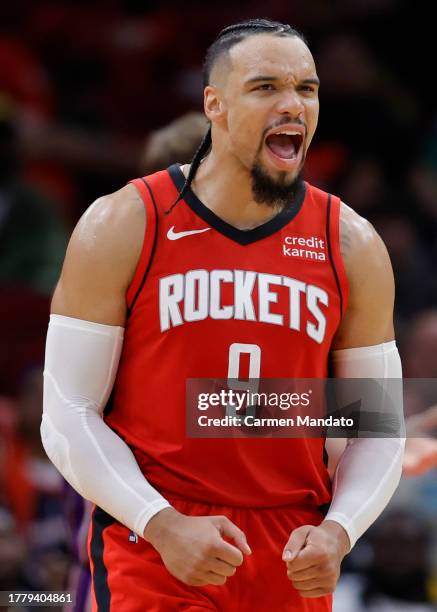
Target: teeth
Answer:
pixel 289 133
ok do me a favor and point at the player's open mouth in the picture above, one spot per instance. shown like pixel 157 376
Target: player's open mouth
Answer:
pixel 285 144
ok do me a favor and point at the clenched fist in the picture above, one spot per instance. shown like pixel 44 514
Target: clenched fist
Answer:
pixel 192 548
pixel 313 556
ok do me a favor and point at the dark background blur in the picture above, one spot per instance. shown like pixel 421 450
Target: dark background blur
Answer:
pixel 82 87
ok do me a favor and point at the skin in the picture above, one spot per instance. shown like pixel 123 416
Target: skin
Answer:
pixel 105 247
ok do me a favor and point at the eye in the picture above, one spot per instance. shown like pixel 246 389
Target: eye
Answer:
pixel 265 87
pixel 307 88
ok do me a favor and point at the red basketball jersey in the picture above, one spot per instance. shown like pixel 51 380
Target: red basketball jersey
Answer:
pixel 201 290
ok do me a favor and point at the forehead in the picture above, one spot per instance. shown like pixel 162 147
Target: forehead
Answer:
pixel 279 56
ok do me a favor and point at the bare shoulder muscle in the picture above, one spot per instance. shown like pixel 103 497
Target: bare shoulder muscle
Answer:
pixel 369 316
pixel 101 259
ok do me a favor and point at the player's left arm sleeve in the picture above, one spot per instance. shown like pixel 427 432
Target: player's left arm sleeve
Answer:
pixel 369 470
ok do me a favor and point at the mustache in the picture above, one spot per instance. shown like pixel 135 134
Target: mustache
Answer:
pixel 284 121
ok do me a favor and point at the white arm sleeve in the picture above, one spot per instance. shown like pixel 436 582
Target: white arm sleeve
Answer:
pixel 80 366
pixel 369 470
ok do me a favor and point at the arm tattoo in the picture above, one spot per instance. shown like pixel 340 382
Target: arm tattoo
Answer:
pixel 345 237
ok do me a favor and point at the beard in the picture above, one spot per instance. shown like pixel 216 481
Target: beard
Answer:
pixel 276 193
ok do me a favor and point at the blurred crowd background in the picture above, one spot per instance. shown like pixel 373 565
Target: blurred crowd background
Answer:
pixel 85 87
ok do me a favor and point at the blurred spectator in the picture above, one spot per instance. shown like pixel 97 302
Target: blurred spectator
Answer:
pixel 398 575
pixel 32 490
pixel 23 337
pixel 31 482
pixel 32 234
pixel 24 77
pixel 363 186
pixel 356 99
pixel 416 283
pixel 399 572
pixel 422 182
pixel 419 350
pixel 175 142
pixel 12 554
pixel 419 347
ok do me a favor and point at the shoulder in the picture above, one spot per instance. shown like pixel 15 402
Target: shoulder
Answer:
pixel 109 215
pixel 361 247
pixel 355 226
pixel 112 227
pixel 101 258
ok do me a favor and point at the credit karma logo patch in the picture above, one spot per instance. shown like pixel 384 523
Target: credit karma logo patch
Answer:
pixel 309 248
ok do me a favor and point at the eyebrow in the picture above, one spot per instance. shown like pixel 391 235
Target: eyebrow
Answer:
pixel 255 79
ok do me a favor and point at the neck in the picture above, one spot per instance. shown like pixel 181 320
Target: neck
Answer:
pixel 225 188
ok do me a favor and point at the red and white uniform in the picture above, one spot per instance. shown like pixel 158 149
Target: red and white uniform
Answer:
pixel 203 296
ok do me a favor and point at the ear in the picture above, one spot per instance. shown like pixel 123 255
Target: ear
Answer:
pixel 214 104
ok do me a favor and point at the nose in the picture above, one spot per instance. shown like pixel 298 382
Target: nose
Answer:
pixel 291 103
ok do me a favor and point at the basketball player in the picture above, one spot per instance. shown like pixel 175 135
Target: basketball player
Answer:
pixel 189 273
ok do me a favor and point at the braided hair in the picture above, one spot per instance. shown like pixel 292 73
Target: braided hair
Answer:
pixel 226 39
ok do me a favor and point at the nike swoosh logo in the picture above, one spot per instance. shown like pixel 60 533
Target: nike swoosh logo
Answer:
pixel 172 235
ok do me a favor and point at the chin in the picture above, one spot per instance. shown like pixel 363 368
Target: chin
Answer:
pixel 274 187
pixel 282 177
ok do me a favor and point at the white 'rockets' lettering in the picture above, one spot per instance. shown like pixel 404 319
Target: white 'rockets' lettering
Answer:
pixel 197 295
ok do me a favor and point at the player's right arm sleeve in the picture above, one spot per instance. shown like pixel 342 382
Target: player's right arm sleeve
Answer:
pixel 80 367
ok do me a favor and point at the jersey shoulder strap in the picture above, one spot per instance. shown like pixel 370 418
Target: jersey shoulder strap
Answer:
pixel 334 249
